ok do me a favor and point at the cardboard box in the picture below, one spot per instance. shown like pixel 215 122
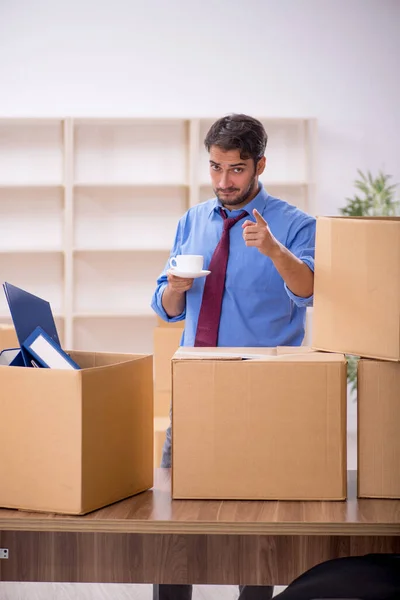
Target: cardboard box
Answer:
pixel 357 287
pixel 270 427
pixel 74 441
pixel 169 325
pixel 162 402
pixel 161 425
pixel 166 342
pixel 8 337
pixel 378 406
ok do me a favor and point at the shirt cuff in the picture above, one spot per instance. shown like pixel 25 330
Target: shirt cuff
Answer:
pixel 299 300
pixel 159 309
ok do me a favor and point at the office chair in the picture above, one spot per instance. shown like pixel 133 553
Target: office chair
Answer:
pixel 369 577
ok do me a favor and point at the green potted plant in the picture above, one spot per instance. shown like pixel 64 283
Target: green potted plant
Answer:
pixel 375 197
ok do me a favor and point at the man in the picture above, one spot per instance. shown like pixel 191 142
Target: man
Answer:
pixel 260 251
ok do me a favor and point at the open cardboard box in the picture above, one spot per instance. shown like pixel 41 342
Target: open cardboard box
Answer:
pixel 8 337
pixel 74 441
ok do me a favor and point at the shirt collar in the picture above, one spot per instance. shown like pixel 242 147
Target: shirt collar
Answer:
pixel 258 202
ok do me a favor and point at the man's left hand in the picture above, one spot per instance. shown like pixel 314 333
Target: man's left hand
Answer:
pixel 258 235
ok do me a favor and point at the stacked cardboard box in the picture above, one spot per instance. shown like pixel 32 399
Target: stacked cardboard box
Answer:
pixel 160 427
pixel 167 337
pixel 357 311
pixel 378 429
pixel 259 424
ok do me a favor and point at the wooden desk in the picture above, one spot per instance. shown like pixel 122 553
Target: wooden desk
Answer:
pixel 149 538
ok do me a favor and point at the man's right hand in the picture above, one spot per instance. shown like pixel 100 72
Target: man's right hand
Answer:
pixel 173 298
pixel 178 285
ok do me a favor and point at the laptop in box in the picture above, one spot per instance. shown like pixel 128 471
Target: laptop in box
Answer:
pixel 28 312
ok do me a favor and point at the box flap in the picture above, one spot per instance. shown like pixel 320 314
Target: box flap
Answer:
pixel 221 353
pixel 91 360
pixel 281 354
pixel 294 350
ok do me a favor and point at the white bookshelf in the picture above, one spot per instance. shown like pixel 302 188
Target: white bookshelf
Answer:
pixel 89 207
pixel 127 217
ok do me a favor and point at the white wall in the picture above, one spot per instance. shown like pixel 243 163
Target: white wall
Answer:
pixel 336 60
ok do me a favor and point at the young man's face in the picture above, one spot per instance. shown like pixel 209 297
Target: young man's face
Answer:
pixel 234 180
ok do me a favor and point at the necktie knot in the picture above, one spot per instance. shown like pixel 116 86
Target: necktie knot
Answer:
pixel 230 221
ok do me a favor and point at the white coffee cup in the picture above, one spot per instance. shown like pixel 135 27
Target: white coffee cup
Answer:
pixel 187 263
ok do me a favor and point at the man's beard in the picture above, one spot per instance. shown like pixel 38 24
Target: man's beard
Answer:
pixel 236 200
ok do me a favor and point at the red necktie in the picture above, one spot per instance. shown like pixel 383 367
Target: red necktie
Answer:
pixel 210 310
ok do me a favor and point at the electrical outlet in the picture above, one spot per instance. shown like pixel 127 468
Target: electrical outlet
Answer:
pixel 3 553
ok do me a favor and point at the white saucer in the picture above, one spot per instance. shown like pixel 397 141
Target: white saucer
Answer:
pixel 185 275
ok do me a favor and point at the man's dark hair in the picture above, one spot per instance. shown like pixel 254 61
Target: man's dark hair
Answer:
pixel 238 132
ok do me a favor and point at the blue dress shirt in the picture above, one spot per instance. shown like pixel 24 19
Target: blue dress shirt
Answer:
pixel 257 308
